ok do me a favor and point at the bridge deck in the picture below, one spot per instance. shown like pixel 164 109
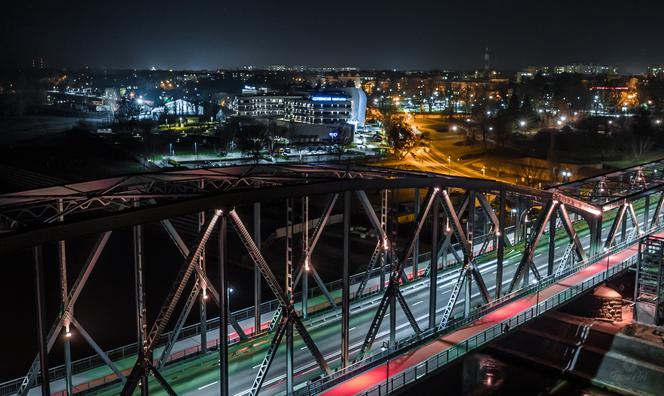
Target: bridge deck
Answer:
pixel 378 375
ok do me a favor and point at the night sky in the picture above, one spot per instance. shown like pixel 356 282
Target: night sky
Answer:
pixel 409 34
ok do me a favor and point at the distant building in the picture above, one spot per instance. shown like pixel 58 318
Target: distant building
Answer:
pixel 589 70
pixel 586 69
pixel 341 106
pixel 308 117
pixel 262 106
pixel 178 107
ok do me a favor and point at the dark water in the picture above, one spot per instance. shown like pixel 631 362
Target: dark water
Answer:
pixel 487 374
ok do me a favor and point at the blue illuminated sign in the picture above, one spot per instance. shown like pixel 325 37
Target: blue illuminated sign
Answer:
pixel 328 99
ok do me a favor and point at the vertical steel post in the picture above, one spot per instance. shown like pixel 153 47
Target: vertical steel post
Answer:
pixel 392 262
pixel 305 252
pixel 345 293
pixel 433 264
pixel 38 256
pixel 501 243
pixel 517 220
pixel 646 213
pixel 141 321
pixel 203 296
pixel 289 294
pixel 596 235
pixel 470 225
pixel 623 229
pixel 416 248
pixel 68 384
pixel 384 259
pixel 223 308
pixel 257 274
pixel 64 298
pixel 552 244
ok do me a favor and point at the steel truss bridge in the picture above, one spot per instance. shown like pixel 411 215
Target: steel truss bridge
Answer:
pixel 492 243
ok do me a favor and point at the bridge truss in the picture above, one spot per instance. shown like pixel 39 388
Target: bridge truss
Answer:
pixel 463 217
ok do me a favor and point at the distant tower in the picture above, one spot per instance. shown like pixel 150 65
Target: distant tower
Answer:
pixel 487 62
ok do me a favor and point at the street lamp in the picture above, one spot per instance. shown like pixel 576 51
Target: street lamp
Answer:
pixel 566 175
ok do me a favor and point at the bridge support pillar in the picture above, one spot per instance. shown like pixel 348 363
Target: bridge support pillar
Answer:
pixel 384 256
pixel 433 265
pixel 345 292
pixel 257 272
pixel 646 213
pixel 305 253
pixel 470 225
pixel 38 256
pixel 416 249
pixel 223 308
pixel 289 294
pixel 64 297
pixel 139 292
pixel 552 244
pixel 468 293
pixel 393 262
pixel 202 303
pixel 596 235
pixel 501 243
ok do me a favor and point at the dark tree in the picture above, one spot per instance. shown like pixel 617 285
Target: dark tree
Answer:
pixel 252 140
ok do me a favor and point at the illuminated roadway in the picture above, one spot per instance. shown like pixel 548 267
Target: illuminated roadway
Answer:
pixel 199 376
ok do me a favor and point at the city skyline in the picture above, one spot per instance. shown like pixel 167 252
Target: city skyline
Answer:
pixel 370 35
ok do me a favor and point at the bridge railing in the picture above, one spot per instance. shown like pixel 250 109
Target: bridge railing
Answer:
pixel 407 343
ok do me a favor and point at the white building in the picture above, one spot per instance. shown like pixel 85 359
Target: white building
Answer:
pixel 178 107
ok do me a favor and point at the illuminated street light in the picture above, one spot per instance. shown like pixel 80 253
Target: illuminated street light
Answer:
pixel 454 128
pixel 522 123
pixel 566 175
